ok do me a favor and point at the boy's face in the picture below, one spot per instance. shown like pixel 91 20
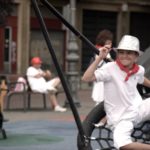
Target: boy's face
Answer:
pixel 127 58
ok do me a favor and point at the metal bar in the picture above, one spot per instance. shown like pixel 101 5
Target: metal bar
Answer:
pixel 75 31
pixel 63 81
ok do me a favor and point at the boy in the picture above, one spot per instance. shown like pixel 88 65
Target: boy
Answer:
pixel 123 104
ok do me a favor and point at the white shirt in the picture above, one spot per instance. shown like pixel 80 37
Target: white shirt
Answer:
pixel 121 97
pixel 36 84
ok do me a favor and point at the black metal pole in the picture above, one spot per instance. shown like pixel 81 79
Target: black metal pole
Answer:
pixel 63 81
pixel 67 24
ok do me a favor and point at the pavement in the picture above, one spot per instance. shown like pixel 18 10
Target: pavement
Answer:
pixel 41 129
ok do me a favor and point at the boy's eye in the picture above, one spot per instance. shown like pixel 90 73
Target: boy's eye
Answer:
pixel 120 52
pixel 126 52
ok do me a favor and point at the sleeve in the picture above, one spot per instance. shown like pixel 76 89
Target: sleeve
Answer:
pixel 141 75
pixel 102 74
pixel 31 72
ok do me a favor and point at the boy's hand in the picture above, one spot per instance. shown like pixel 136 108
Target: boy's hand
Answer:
pixel 104 51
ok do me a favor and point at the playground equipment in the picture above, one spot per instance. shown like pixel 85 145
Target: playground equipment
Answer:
pixel 86 129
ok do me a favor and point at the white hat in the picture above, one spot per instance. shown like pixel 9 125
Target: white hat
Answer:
pixel 130 43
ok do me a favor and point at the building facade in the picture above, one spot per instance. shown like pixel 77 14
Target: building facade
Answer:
pixel 21 38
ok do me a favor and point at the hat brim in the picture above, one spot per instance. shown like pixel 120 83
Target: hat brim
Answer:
pixel 139 52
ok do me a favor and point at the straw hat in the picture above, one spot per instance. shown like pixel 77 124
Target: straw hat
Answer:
pixel 130 43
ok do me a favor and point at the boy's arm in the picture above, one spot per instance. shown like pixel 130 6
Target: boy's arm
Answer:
pixel 89 73
pixel 146 82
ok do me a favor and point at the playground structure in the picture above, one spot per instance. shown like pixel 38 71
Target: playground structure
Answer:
pixel 86 129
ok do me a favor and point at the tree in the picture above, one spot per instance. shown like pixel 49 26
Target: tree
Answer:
pixel 5 10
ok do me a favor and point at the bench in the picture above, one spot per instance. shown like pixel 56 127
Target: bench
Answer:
pixel 25 93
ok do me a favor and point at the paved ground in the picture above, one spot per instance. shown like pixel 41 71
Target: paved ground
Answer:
pixel 43 129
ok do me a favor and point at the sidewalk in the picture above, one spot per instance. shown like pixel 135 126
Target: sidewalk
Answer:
pixel 44 129
pixel 37 112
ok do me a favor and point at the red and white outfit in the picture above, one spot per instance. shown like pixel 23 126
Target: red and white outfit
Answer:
pixel 123 104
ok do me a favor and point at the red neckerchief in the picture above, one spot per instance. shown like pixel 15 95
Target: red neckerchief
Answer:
pixel 134 69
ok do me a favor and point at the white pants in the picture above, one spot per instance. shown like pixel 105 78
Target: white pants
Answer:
pixel 46 87
pixel 122 131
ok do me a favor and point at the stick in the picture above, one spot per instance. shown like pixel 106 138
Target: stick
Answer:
pixel 52 52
